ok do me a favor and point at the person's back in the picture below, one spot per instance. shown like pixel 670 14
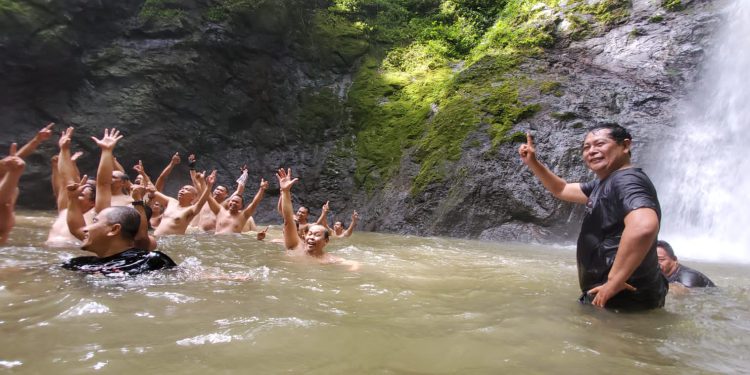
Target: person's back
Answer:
pixel 132 261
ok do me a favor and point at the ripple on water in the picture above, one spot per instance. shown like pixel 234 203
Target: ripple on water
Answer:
pixel 84 307
pixel 10 364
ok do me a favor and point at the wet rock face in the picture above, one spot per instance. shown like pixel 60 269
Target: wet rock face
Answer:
pixel 261 90
pixel 634 75
pixel 230 92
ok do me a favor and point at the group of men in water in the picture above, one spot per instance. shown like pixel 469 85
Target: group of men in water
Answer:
pixel 621 264
pixel 111 217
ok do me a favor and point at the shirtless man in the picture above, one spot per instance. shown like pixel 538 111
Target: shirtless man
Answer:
pixel 59 234
pixel 119 188
pixel 317 236
pixel 207 221
pixel 338 227
pixel 233 218
pixel 11 168
pixel 179 212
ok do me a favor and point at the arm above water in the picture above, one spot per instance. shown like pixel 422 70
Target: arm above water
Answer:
pixel 561 189
pixel 291 239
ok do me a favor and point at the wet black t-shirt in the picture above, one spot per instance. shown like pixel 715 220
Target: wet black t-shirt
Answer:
pixel 131 262
pixel 609 202
pixel 690 278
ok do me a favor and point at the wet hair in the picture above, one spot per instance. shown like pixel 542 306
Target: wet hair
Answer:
pixel 616 132
pixel 667 247
pixel 93 190
pixel 128 218
pixel 122 176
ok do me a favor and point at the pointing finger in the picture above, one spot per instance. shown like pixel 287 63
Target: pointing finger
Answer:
pixel 529 139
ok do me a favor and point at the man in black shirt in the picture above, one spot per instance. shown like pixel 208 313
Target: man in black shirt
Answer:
pixel 616 251
pixel 111 236
pixel 678 273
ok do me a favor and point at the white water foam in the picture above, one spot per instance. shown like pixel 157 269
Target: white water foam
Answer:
pixel 703 176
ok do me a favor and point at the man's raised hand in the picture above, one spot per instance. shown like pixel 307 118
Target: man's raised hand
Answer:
pixel 527 150
pixel 109 140
pixel 285 179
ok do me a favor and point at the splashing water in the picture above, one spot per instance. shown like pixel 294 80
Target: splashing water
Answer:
pixel 704 171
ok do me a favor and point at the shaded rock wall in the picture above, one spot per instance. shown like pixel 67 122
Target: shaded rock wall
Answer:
pixel 268 87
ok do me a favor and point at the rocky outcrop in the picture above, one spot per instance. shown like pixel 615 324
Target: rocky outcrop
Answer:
pixel 268 86
pixel 634 74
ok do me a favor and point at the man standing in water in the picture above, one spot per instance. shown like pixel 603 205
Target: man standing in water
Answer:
pixel 316 237
pixel 616 251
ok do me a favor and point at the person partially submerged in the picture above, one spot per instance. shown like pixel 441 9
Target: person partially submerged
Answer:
pixel 317 236
pixel 677 273
pixel 111 238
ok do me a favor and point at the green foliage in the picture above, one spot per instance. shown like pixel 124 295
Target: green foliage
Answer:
pixel 551 88
pixel 444 79
pixel 656 18
pixel 162 11
pixel 609 12
pixel 11 6
pixel 672 5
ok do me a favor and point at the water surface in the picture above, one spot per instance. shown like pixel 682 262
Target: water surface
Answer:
pixel 417 306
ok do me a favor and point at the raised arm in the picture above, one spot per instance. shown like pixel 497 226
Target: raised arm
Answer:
pixel 323 219
pixel 142 239
pixel 67 173
pixel 104 172
pixel 355 219
pixel 560 188
pixel 250 210
pixel 291 238
pixel 641 228
pixel 207 184
pixel 39 137
pixel 193 174
pixel 162 179
pixel 213 204
pixel 241 181
pixel 11 167
pixel 75 216
pixel 142 172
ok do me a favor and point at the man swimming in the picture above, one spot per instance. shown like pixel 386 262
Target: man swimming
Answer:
pixel 233 218
pixel 316 237
pixel 675 272
pixel 179 212
pixel 338 227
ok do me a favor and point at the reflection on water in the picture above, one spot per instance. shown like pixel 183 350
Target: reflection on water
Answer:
pixel 417 306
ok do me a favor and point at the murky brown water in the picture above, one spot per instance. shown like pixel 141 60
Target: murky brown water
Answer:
pixel 417 306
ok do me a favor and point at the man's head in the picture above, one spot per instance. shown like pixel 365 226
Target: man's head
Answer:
pixel 667 259
pixel 113 226
pixel 302 213
pixel 187 194
pixel 220 193
pixel 119 179
pixel 606 149
pixel 87 197
pixel 316 239
pixel 235 203
pixel 338 227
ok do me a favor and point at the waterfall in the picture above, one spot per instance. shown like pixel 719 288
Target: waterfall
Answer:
pixel 703 176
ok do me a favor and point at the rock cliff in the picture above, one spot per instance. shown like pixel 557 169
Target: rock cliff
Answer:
pixel 417 132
